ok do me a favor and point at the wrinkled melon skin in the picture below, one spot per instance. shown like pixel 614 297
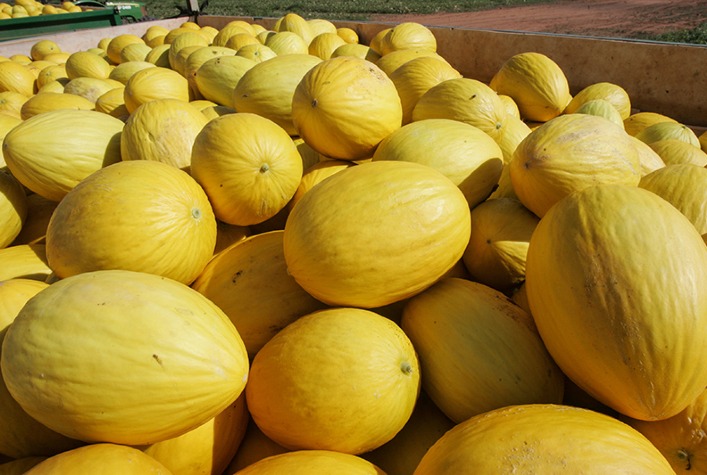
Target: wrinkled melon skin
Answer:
pixel 616 279
pixel 376 233
pixel 542 439
pixel 123 357
pixel 536 83
pixel 52 152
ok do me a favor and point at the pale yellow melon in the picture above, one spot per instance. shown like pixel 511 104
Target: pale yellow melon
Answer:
pixel 39 211
pixel 86 64
pixel 25 261
pixel 315 174
pixel 667 131
pixel 124 71
pixel 470 158
pixel 16 77
pixel 239 40
pixel 43 47
pixel 117 43
pixel 267 88
pixel 107 458
pixel 13 207
pixel 408 35
pixel 356 49
pixel 217 78
pixel 113 103
pixel 163 130
pixel 155 83
pixel 674 151
pixel 607 91
pixel 349 35
pixel 49 161
pixel 48 101
pixel 90 88
pixel 388 63
pixel 292 22
pixel 303 462
pixel 287 42
pixel 324 44
pixel 640 120
pixel 11 103
pixel 320 25
pixel 257 53
pixel 135 317
pixel 601 108
pixel 536 83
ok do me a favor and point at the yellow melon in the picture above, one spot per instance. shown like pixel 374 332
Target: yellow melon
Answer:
pixel 463 153
pixel 349 215
pixel 478 350
pixel 188 39
pixel 593 298
pixel 667 131
pixel 239 40
pixel 59 358
pixel 163 130
pixel 39 211
pixel 324 44
pixel 640 120
pixel 117 43
pixel 417 76
pixel 113 103
pixel 16 77
pixel 674 151
pixel 217 77
pixel 648 158
pixel 51 73
pixel 13 207
pixel 466 100
pixel 349 35
pixel 680 438
pixel 254 446
pixel 49 161
pixel 536 83
pixel 86 64
pixel 685 187
pixel 389 62
pixel 500 235
pixel 207 448
pixel 174 237
pixel 569 153
pixel 43 47
pixel 408 35
pixel 267 88
pixel 48 101
pixel 542 438
pixel 317 173
pixel 320 25
pixel 124 71
pixel 107 458
pixel 26 261
pixel 248 176
pixel 343 107
pixel 356 49
pixel 159 56
pixel 229 30
pixel 294 23
pixel 90 88
pixel 250 283
pixel 257 53
pixel 287 42
pixel 607 91
pixel 303 462
pixel 155 83
pixel 11 103
pixel 601 108
pixel 343 379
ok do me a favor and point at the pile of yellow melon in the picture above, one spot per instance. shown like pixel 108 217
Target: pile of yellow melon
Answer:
pixel 29 8
pixel 293 250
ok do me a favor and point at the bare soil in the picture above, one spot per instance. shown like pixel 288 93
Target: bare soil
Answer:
pixel 606 18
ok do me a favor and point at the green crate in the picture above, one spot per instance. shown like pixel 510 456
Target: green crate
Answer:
pixel 16 28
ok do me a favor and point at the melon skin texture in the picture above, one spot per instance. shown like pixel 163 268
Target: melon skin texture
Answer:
pixel 615 279
pixel 50 157
pixel 542 439
pixel 305 462
pixel 139 215
pixel 108 459
pixel 376 233
pixel 344 106
pixel 123 357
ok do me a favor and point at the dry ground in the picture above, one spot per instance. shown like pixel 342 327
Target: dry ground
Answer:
pixel 629 18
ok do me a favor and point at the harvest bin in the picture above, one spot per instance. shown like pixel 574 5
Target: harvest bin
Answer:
pixel 659 77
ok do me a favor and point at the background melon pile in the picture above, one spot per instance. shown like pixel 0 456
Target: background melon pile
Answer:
pixel 29 8
pixel 245 250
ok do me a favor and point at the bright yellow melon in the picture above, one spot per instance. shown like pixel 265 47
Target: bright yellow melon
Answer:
pixel 594 263
pixel 607 91
pixel 463 153
pixel 13 207
pixel 218 76
pixel 536 83
pixel 500 235
pixel 343 379
pixel 248 165
pixel 86 64
pixel 376 233
pixel 408 35
pixel 569 153
pixel 60 357
pixel 345 106
pixel 542 438
pixel 250 283
pixel 27 261
pixel 140 215
pixel 155 83
pixel 268 87
pixel 478 350
pixel 110 459
pixel 50 159
pixel 48 101
pixel 163 130
pixel 305 462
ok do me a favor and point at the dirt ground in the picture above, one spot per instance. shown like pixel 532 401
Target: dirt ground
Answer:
pixel 627 18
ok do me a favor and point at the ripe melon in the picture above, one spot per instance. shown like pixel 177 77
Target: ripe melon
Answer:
pixel 48 101
pixel 542 438
pixel 305 462
pixel 536 83
pixel 155 83
pixel 607 91
pixel 343 107
pixel 106 458
pixel 408 35
pixel 28 261
pixel 100 357
pixel 50 159
pixel 13 207
pixel 376 233
pixel 478 350
pixel 139 215
pixel 594 263
pixel 342 379
pixel 248 166
pixel 217 77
